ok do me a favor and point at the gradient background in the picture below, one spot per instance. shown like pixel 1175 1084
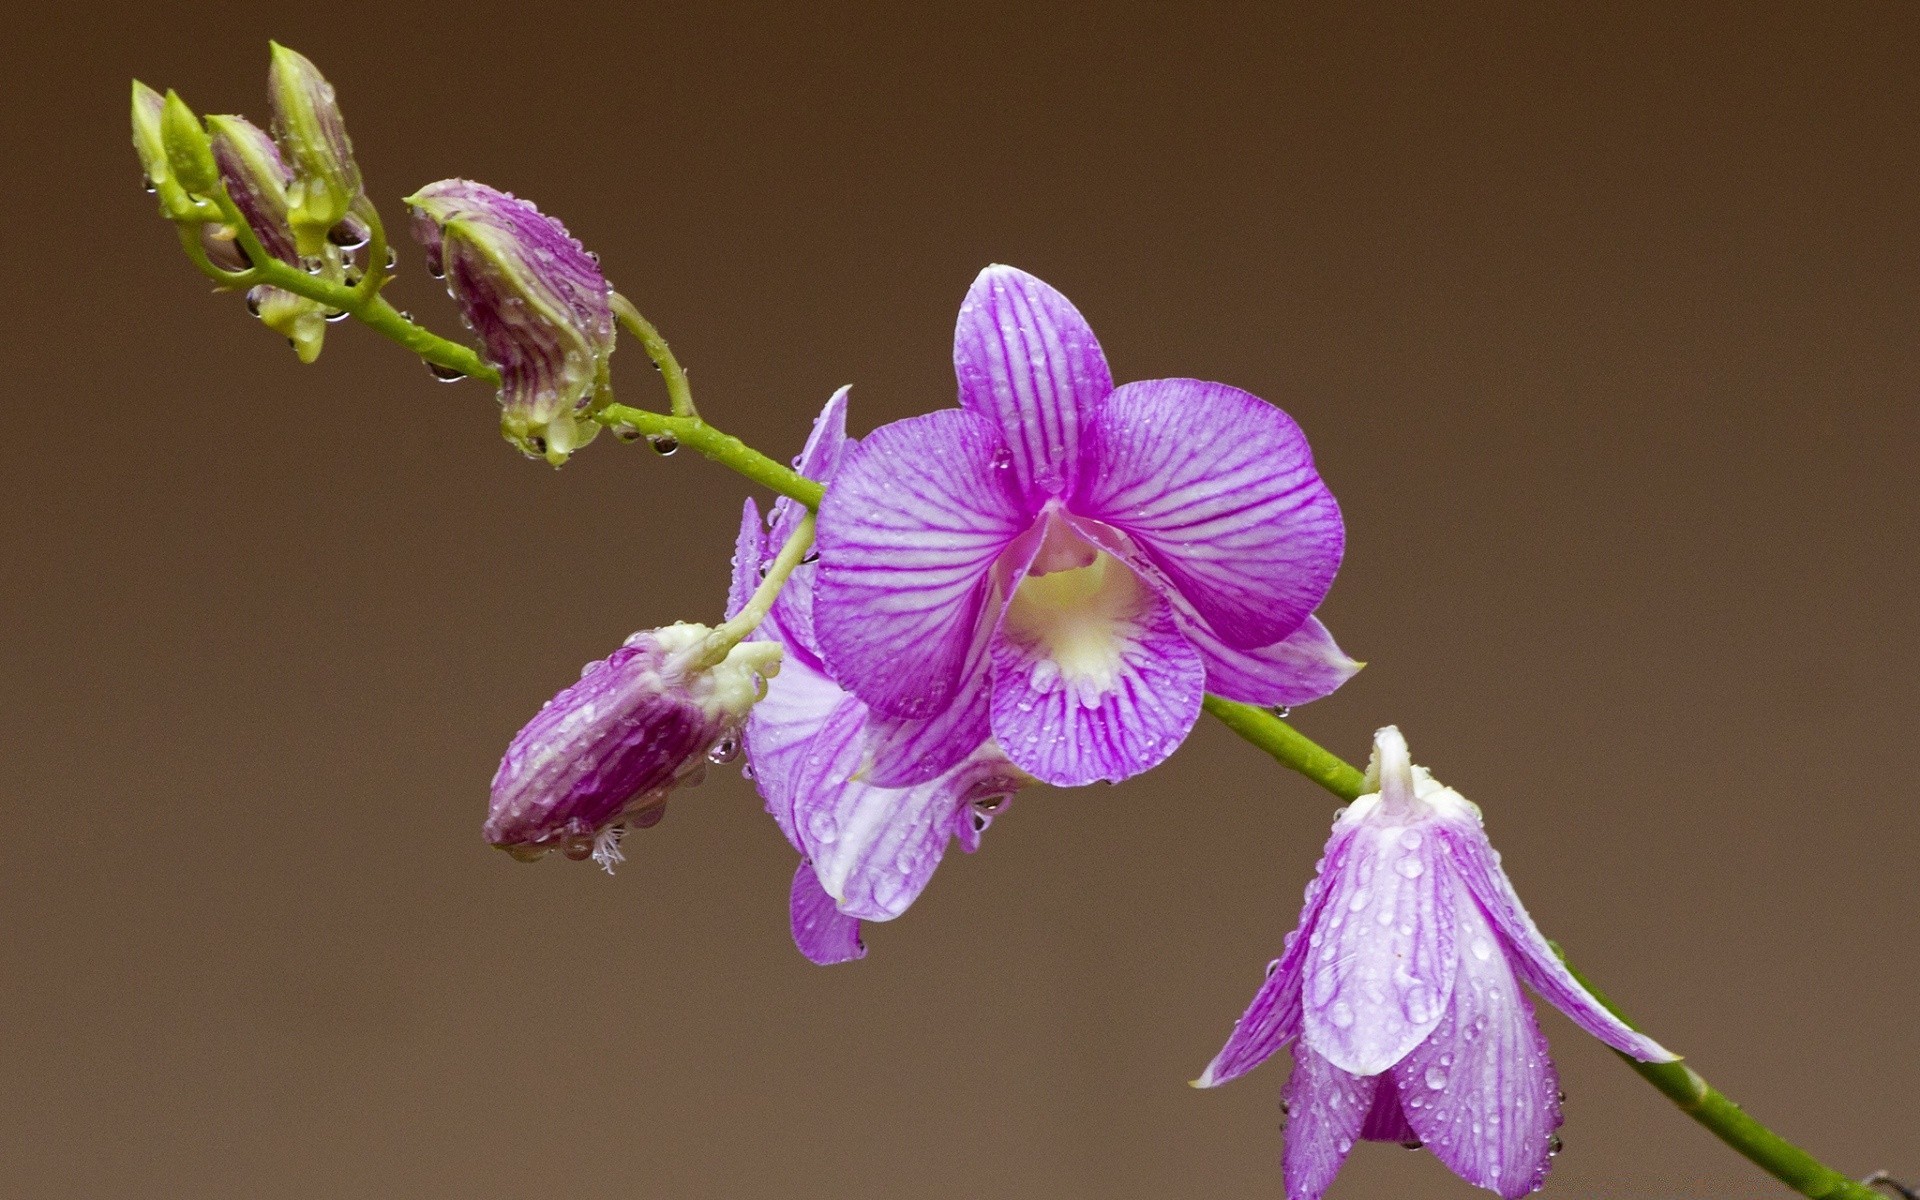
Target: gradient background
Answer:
pixel 1607 333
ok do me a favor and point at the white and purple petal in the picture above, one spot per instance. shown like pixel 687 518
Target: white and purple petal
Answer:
pixel 1381 961
pixel 1326 1109
pixel 1219 488
pixel 1027 360
pixel 1521 940
pixel 1092 679
pixel 1481 1091
pixel 822 932
pixel 908 534
pixel 875 848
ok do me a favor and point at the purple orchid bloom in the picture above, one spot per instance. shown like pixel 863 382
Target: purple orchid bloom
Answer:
pixel 1400 991
pixel 870 813
pixel 1066 567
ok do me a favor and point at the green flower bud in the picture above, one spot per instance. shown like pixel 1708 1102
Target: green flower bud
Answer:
pixel 326 180
pixel 189 152
pixel 148 105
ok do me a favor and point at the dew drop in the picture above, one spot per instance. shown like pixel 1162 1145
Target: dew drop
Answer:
pixel 1436 1078
pixel 577 849
pixel 1413 1144
pixel 725 750
pixel 1411 839
pixel 1555 1145
pixel 1272 967
pixel 348 237
pixel 1342 1016
pixel 1482 949
pixel 1410 867
pixel 1283 711
pixel 148 185
pixel 253 303
pixel 444 374
pixel 626 433
pixel 663 443
pixel 1361 897
pixel 336 315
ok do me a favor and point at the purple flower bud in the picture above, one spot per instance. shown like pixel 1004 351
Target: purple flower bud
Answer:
pixel 537 300
pixel 150 143
pixel 306 118
pixel 257 178
pixel 604 753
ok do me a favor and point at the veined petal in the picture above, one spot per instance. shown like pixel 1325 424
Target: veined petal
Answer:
pixel 1027 360
pixel 822 932
pixel 779 730
pixel 908 533
pixel 1326 1108
pixel 1382 958
pixel 873 848
pixel 1219 488
pixel 1481 1091
pixel 1273 1019
pixel 1520 938
pixel 749 551
pixel 1091 678
pixel 904 751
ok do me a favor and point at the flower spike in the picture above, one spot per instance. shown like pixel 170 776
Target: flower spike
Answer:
pixel 536 298
pixel 1400 992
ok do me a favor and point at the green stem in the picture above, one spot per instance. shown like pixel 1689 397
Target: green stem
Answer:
pixel 1677 1081
pixel 748 619
pixel 679 391
pixel 362 303
pixel 723 448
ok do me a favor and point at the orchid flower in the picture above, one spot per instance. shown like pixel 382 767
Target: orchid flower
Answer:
pixel 1067 567
pixel 867 849
pixel 1400 991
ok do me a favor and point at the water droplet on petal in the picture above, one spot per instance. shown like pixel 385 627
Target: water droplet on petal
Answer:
pixel 1555 1145
pixel 1411 839
pixel 1482 949
pixel 1410 867
pixel 725 750
pixel 1341 1015
pixel 1413 1144
pixel 1436 1078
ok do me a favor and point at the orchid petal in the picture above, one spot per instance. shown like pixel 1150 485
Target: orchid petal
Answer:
pixel 1326 1109
pixel 822 932
pixel 1273 1018
pixel 1027 360
pixel 779 730
pixel 904 751
pixel 1383 958
pixel 1387 1120
pixel 1303 667
pixel 1091 678
pixel 873 848
pixel 1532 955
pixel 1481 1091
pixel 1219 488
pixel 908 533
pixel 749 551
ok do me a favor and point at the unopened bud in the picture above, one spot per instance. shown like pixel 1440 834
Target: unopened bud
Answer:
pixel 256 178
pixel 189 152
pixel 151 146
pixel 326 180
pixel 604 753
pixel 537 300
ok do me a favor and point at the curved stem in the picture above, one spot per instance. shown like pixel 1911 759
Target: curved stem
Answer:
pixel 748 619
pixel 679 391
pixel 367 306
pixel 1677 1081
pixel 723 448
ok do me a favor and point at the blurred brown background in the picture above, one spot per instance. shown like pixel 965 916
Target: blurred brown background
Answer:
pixel 1607 333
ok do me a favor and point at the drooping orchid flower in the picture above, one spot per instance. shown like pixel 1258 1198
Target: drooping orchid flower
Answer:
pixel 1400 992
pixel 1067 567
pixel 817 754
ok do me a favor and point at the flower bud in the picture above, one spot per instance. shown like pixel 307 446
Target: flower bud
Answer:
pixel 188 150
pixel 605 752
pixel 326 180
pixel 256 179
pixel 150 144
pixel 537 300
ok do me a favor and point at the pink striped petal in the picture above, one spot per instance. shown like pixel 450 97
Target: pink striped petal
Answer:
pixel 749 551
pixel 822 932
pixel 1273 1019
pixel 904 751
pixel 819 459
pixel 1027 360
pixel 1219 488
pixel 1382 960
pixel 779 729
pixel 1303 667
pixel 1091 678
pixel 908 533
pixel 1326 1109
pixel 1481 1091
pixel 1534 959
pixel 1386 1120
pixel 873 848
